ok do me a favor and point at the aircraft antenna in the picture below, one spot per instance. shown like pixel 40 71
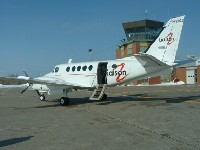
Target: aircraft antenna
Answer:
pixel 90 52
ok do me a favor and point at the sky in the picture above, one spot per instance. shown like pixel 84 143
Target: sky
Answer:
pixel 36 35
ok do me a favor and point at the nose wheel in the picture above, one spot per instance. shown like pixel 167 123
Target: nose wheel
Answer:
pixel 64 101
pixel 42 97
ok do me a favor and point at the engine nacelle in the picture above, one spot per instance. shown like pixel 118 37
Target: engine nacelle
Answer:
pixel 40 87
pixel 50 90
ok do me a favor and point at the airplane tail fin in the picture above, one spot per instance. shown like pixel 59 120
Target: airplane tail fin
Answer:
pixel 165 46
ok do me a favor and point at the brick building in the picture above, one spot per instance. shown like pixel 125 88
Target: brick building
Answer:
pixel 188 73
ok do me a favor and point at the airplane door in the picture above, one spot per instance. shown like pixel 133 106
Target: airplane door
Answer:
pixel 102 73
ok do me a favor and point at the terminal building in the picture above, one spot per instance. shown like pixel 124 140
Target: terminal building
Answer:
pixel 139 36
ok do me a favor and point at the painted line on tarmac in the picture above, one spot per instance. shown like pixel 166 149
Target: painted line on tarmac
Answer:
pixel 146 97
pixel 175 91
pixel 193 101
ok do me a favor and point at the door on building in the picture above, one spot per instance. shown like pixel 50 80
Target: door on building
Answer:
pixel 190 76
pixel 102 73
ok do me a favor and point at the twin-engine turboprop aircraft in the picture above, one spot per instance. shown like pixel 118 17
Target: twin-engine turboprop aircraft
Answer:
pixel 98 75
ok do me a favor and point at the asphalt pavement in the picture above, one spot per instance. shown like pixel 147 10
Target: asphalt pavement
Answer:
pixel 141 118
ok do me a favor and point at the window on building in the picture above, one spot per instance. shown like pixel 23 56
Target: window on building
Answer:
pixel 90 67
pixel 129 52
pixel 84 68
pixel 196 75
pixel 68 69
pixel 122 53
pixel 78 68
pixel 73 68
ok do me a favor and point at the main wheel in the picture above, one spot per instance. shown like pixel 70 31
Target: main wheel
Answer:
pixel 42 97
pixel 64 101
pixel 104 97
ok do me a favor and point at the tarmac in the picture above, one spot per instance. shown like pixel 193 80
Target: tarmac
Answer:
pixel 132 118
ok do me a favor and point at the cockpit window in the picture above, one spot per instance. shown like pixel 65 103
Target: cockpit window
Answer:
pixel 73 68
pixel 84 68
pixel 56 69
pixel 90 67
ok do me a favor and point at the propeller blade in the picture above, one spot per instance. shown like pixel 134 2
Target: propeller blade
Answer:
pixel 26 88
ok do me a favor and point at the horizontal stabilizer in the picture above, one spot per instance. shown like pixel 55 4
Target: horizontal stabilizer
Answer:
pixel 149 61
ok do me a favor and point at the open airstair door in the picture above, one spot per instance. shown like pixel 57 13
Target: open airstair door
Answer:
pixel 99 92
pixel 102 73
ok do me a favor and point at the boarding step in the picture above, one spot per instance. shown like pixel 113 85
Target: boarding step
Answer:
pixel 98 92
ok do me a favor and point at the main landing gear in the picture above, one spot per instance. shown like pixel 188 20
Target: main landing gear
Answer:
pixel 64 101
pixel 104 97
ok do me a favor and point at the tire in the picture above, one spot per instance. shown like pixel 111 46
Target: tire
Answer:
pixel 64 101
pixel 42 97
pixel 104 97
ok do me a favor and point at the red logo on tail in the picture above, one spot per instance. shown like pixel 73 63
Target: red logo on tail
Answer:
pixel 170 38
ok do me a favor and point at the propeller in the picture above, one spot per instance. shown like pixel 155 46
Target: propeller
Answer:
pixel 29 84
pixel 25 73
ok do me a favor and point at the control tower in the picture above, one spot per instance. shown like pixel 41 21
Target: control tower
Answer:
pixel 144 30
pixel 139 36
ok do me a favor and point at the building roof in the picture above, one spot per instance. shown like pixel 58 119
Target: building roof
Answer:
pixel 147 23
pixel 191 64
pixel 122 43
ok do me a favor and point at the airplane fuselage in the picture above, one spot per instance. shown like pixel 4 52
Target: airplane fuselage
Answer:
pixel 112 72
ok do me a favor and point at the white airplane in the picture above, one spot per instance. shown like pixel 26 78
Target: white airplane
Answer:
pixel 98 75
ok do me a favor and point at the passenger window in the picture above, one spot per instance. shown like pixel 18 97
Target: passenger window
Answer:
pixel 68 69
pixel 56 69
pixel 84 68
pixel 90 67
pixel 114 66
pixel 73 68
pixel 78 68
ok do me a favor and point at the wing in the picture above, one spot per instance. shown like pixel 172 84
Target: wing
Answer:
pixel 54 81
pixel 50 81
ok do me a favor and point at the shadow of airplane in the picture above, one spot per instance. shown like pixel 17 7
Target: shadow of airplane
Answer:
pixel 13 141
pixel 131 98
pixel 139 98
